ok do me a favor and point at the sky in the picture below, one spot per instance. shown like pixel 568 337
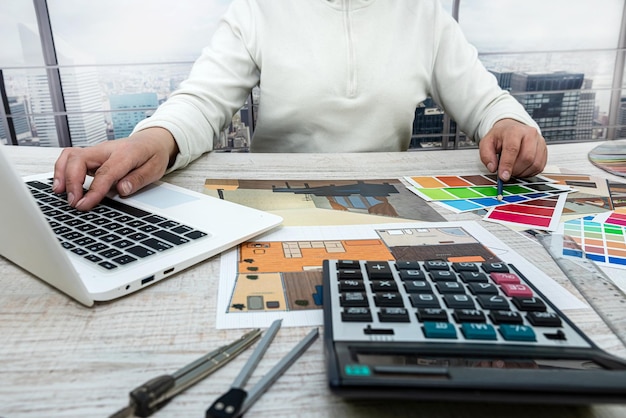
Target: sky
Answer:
pixel 531 25
pixel 116 31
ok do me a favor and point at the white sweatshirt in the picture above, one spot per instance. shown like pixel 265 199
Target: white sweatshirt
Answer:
pixel 334 76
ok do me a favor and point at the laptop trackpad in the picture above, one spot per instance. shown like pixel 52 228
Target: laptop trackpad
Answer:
pixel 162 197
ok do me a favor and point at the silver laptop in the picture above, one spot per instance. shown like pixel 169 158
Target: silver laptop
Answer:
pixel 122 245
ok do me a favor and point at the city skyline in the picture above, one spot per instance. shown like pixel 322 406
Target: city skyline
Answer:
pixel 78 26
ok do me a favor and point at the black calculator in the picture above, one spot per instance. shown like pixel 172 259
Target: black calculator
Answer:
pixel 466 331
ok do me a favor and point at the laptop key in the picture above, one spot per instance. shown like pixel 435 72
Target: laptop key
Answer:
pixel 155 219
pixel 107 265
pixel 38 185
pixel 196 234
pixel 156 244
pixel 148 228
pixel 169 237
pixel 168 224
pixel 124 243
pixel 124 259
pixel 140 251
pixel 137 236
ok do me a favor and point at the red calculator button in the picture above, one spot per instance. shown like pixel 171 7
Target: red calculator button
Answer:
pixel 501 278
pixel 517 290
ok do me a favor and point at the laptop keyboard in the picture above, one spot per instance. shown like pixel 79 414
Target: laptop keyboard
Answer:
pixel 112 234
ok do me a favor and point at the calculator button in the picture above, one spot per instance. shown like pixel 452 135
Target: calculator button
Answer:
pixel 475 331
pixel 393 315
pixel 459 267
pixel 517 290
pixel 378 270
pixel 529 304
pixel 348 264
pixel 495 267
pixel 349 274
pixel 544 319
pixel 439 330
pixel 407 265
pixel 412 274
pixel 442 275
pixel 388 299
pixel 356 315
pixel 353 299
pixel 502 278
pixel 459 301
pixel 517 333
pixel 493 302
pixel 469 315
pixel 450 287
pixel 431 265
pixel 417 286
pixel 473 277
pixel 483 288
pixel 351 285
pixel 506 317
pixel 384 285
pixel 432 314
pixel 424 300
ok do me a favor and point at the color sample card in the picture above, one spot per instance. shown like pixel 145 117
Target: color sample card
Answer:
pixel 460 206
pixel 542 213
pixel 601 242
pixel 616 219
pixel 481 192
pixel 613 218
pixel 439 182
pixel 475 192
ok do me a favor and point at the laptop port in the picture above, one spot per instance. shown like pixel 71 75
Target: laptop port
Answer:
pixel 147 280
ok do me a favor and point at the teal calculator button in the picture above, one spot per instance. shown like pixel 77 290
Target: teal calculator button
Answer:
pixel 517 333
pixel 439 330
pixel 357 370
pixel 473 331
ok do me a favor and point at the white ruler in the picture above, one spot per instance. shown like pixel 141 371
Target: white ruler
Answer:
pixel 604 296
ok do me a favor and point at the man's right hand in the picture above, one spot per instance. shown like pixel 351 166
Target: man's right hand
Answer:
pixel 127 164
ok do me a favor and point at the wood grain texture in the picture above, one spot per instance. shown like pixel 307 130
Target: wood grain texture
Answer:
pixel 60 359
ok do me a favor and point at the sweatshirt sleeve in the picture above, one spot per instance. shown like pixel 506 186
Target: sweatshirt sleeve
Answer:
pixel 464 87
pixel 217 87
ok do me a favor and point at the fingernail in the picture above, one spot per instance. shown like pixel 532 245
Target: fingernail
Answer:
pixel 505 175
pixel 127 188
pixel 491 167
pixel 55 184
pixel 70 198
pixel 80 203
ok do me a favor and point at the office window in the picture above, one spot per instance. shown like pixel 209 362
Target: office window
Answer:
pixel 565 49
pixel 21 73
pixel 117 60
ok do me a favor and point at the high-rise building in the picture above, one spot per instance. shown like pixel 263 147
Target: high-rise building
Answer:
pixel 586 112
pixel 552 100
pixel 21 124
pixel 81 93
pixel 428 125
pixel 504 79
pixel 621 132
pixel 127 110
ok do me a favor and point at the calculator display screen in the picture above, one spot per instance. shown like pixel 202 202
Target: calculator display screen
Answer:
pixel 412 360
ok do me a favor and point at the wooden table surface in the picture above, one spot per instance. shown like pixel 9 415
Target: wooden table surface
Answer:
pixel 61 359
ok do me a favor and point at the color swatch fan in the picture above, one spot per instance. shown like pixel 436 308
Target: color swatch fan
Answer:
pixel 610 157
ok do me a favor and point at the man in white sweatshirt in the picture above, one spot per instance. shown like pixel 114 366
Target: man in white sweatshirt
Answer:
pixel 334 76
